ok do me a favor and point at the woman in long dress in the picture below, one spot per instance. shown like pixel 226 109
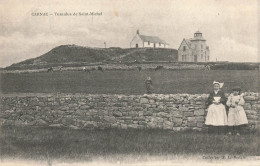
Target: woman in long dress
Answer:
pixel 236 115
pixel 216 117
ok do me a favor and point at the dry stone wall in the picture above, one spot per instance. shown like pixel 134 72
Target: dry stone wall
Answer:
pixel 84 111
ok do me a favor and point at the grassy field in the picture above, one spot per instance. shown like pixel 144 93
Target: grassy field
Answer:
pixel 53 143
pixel 127 82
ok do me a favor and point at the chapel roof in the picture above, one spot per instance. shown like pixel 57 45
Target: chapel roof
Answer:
pixel 153 39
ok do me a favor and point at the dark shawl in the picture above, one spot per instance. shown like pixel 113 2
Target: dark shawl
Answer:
pixel 219 94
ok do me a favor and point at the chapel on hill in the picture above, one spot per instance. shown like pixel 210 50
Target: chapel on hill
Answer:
pixel 142 41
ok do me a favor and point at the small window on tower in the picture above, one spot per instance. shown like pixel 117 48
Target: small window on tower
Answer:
pixel 201 46
pixel 159 44
pixel 184 48
pixel 148 42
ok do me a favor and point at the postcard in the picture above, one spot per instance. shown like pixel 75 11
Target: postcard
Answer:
pixel 133 82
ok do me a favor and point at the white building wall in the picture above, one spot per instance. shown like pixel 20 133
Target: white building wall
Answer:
pixel 201 51
pixel 141 43
pixel 190 57
pixel 146 45
pixel 151 45
pixel 136 40
pixel 157 45
pixel 208 55
pixel 186 54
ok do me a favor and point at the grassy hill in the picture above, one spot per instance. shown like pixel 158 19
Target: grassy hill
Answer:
pixel 73 55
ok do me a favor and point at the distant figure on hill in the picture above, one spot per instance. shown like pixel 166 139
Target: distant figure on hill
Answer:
pixel 86 70
pixel 139 68
pixel 158 68
pixel 100 69
pixel 60 68
pixel 148 84
pixel 207 67
pixel 50 69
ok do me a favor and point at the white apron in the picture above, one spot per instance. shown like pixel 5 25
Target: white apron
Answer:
pixel 216 115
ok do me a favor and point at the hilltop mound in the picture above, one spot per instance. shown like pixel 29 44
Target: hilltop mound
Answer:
pixel 73 55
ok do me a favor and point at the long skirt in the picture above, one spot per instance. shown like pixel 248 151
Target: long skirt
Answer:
pixel 237 116
pixel 217 115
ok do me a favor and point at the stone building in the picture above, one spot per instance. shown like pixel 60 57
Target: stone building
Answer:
pixel 194 49
pixel 142 41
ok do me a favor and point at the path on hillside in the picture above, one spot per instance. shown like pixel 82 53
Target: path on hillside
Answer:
pixel 120 57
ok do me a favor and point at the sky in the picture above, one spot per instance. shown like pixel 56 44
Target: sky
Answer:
pixel 229 26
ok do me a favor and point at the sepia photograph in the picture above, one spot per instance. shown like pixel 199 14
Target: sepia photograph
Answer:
pixel 129 82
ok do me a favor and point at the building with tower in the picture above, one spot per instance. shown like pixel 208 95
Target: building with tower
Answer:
pixel 194 49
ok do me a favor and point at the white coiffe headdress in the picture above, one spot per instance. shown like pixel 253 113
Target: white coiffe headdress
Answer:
pixel 220 84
